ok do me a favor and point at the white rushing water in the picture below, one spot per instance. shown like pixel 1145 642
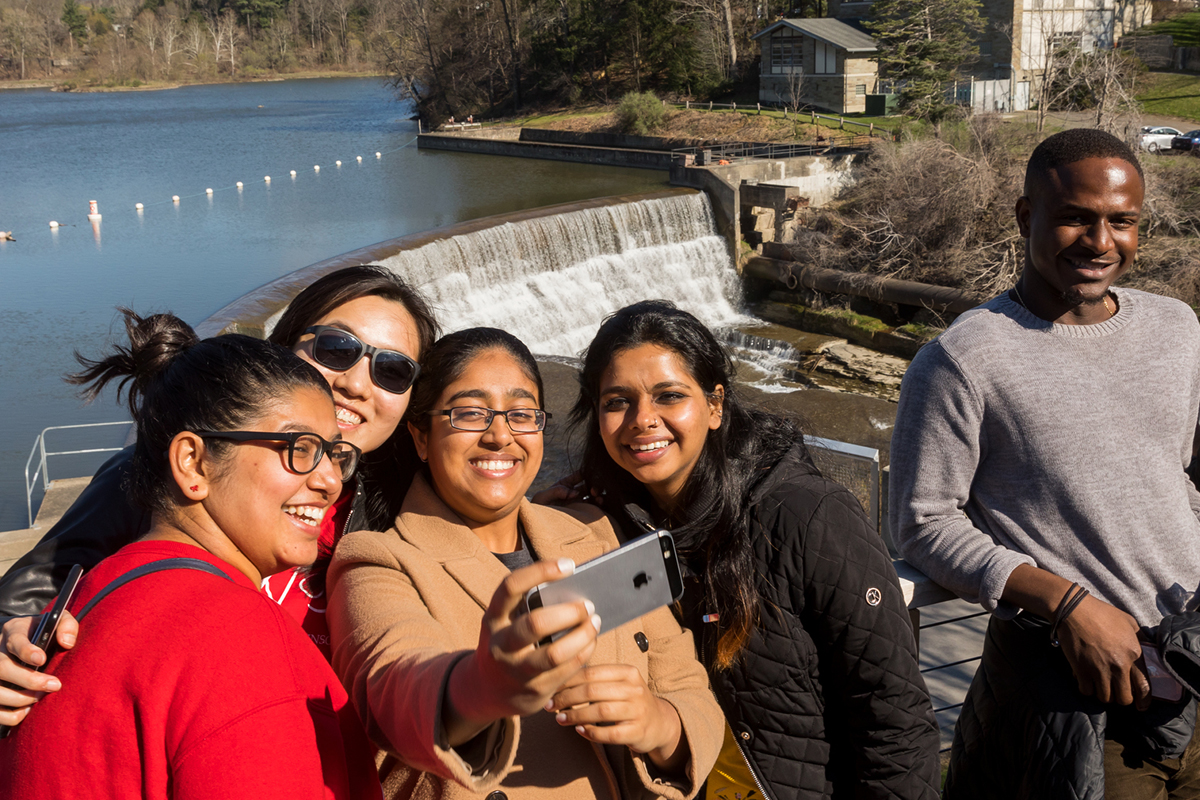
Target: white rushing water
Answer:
pixel 552 280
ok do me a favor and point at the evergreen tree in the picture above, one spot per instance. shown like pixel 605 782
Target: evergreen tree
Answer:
pixel 922 44
pixel 75 20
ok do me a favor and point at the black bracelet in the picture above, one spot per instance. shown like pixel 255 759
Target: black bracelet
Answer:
pixel 1065 609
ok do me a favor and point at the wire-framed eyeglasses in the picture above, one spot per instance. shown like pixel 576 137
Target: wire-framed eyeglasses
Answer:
pixel 305 450
pixel 474 418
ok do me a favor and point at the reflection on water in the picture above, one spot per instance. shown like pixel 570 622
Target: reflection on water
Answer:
pixel 61 150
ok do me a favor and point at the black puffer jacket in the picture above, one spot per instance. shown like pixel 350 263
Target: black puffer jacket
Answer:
pixel 99 523
pixel 827 699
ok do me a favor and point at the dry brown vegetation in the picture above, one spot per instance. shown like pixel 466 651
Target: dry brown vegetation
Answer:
pixel 940 211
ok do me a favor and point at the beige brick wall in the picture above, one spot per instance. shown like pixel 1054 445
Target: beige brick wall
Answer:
pixel 835 92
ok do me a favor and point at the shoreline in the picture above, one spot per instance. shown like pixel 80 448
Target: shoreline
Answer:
pixel 157 86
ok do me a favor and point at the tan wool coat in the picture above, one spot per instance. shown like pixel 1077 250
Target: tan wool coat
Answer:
pixel 406 604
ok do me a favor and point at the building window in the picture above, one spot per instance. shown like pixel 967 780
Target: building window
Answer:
pixel 825 58
pixel 786 56
pixel 860 89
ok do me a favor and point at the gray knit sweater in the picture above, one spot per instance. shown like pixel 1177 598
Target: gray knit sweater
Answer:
pixel 1020 441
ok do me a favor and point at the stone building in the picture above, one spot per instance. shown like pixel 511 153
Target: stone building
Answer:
pixel 1020 33
pixel 824 63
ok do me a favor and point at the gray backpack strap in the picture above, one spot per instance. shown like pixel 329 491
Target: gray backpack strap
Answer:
pixel 147 569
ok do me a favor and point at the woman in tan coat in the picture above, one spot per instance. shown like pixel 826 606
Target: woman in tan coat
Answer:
pixel 431 639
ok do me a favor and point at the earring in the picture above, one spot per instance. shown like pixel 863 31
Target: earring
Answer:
pixel 195 488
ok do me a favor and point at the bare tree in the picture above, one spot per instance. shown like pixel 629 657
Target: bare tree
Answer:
pixel 194 41
pixel 171 32
pixel 231 34
pixel 715 15
pixel 797 86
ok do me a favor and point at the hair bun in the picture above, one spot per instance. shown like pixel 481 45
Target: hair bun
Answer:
pixel 154 343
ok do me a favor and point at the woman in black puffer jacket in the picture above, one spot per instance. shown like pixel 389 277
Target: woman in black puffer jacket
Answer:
pixel 792 598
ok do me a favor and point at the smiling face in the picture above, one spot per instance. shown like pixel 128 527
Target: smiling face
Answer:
pixel 655 418
pixel 483 475
pixel 271 514
pixel 1081 227
pixel 366 414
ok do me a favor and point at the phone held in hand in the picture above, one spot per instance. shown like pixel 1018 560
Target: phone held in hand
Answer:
pixel 43 635
pixel 1163 685
pixel 47 625
pixel 623 584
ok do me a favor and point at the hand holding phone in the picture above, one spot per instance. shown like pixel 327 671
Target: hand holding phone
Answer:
pixel 17 693
pixel 622 584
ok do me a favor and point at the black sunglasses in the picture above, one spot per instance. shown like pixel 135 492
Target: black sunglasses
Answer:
pixel 305 450
pixel 340 350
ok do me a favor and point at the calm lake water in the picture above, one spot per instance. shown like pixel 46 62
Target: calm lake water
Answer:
pixel 58 289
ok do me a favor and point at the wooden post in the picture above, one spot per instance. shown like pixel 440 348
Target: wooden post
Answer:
pixel 710 105
pixel 759 107
pixel 733 106
pixel 687 104
pixel 871 129
pixel 842 126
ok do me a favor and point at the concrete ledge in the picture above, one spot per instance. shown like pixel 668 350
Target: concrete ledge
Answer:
pixel 605 156
pixel 623 141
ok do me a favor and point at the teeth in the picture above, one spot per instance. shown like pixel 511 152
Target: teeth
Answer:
pixel 659 445
pixel 494 466
pixel 347 416
pixel 309 515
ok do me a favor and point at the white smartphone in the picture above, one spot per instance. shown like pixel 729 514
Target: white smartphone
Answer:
pixel 623 584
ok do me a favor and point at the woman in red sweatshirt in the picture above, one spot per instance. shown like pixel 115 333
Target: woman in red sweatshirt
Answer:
pixel 190 682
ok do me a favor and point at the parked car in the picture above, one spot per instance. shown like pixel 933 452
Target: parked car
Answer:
pixel 1155 140
pixel 1187 142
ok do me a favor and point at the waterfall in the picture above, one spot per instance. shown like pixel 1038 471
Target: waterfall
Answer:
pixel 552 280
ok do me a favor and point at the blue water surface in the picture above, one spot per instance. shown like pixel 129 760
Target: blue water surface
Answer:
pixel 60 150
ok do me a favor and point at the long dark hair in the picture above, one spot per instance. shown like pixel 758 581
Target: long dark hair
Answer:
pixel 713 524
pixel 386 472
pixel 175 382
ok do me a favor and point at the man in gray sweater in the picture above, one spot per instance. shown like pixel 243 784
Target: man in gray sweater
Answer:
pixel 1040 446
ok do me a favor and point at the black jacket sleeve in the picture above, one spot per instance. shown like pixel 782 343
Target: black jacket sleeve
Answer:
pixel 878 711
pixel 98 524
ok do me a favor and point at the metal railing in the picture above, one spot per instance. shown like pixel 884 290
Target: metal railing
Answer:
pixel 39 450
pixel 853 466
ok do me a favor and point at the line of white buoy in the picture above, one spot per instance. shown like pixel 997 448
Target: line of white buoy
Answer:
pixel 94 210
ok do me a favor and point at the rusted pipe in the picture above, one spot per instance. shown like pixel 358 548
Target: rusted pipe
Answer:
pixel 871 287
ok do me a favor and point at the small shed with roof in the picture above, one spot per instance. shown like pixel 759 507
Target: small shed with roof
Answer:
pixel 816 62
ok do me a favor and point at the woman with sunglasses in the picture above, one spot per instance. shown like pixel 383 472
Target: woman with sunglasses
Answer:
pixel 791 596
pixel 364 329
pixel 430 636
pixel 206 687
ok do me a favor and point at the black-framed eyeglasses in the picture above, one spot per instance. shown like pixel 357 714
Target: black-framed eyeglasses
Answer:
pixel 474 418
pixel 305 450
pixel 340 350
